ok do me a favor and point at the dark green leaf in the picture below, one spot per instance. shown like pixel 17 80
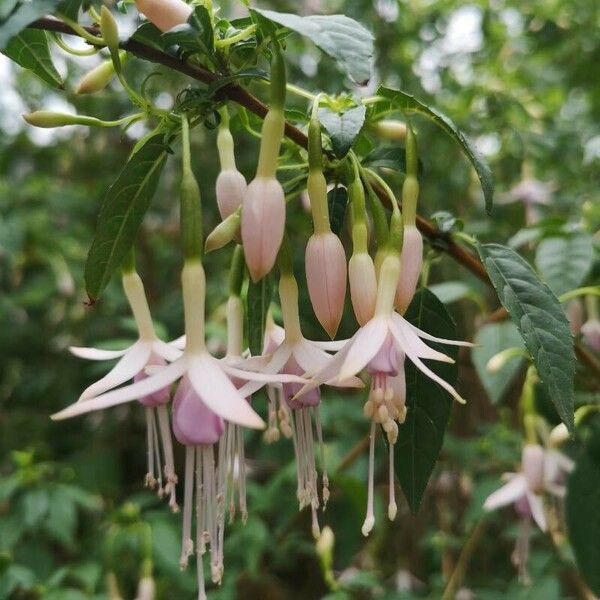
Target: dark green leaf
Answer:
pixel 62 517
pixel 583 516
pixel 25 13
pixel 446 222
pixel 70 8
pixel 540 319
pixel 150 35
pixel 409 104
pixel 342 127
pixel 258 302
pixel 30 50
pixel 337 200
pixel 342 38
pixel 194 36
pixel 421 435
pixel 491 339
pixel 387 157
pixel 564 261
pixel 122 213
pixel 252 73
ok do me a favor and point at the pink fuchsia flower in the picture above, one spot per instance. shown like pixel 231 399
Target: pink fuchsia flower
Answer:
pixel 411 261
pixel 363 286
pixel 326 279
pixel 165 14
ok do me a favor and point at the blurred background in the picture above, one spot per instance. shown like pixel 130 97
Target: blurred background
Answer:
pixel 521 80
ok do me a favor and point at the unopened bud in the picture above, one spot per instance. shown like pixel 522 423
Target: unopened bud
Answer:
pixel 390 130
pixel 326 542
pixel 411 261
pixel 99 77
pixel 230 189
pixel 165 14
pixel 223 233
pixel 146 589
pixel 363 286
pixel 326 278
pixel 109 30
pixel 48 119
pixel 263 223
pixel 559 435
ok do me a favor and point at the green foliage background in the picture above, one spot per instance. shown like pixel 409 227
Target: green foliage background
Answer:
pixel 72 508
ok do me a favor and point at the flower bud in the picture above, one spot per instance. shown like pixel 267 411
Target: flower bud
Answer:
pixel 532 463
pixel 223 233
pixel 363 286
pixel 326 278
pixel 230 189
pixel 109 30
pixel 411 261
pixel 48 119
pixel 165 14
pixel 559 435
pixel 574 312
pixel 591 333
pixel 263 223
pixel 390 130
pixel 146 589
pixel 193 422
pixel 99 77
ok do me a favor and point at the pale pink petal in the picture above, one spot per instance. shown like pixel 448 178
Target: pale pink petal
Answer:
pixel 274 365
pixel 96 353
pixel 405 337
pixel 429 337
pixel 333 346
pixel 536 504
pixel 127 368
pixel 262 377
pixel 510 492
pixel 166 351
pixel 179 342
pixel 219 394
pixel 134 391
pixel 367 343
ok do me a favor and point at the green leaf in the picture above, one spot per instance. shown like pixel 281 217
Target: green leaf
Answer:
pixel 452 291
pixel 194 36
pixel 70 8
pixel 409 104
pixel 583 516
pixel 258 301
pixel 540 319
pixel 342 38
pixel 22 16
pixel 565 261
pixel 337 200
pixel 122 212
pixel 251 73
pixel 30 50
pixel 421 435
pixel 342 127
pixel 150 35
pixel 491 339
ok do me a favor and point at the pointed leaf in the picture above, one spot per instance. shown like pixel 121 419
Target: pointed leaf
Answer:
pixel 421 435
pixel 342 127
pixel 122 213
pixel 410 104
pixel 22 16
pixel 342 38
pixel 29 48
pixel 540 319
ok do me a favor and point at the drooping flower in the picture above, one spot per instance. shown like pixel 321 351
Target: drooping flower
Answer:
pixel 165 14
pixel 541 471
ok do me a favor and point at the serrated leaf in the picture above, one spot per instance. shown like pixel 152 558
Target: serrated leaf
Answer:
pixel 342 38
pixel 22 16
pixel 409 104
pixel 122 213
pixel 337 201
pixel 583 517
pixel 258 301
pixel 540 320
pixel 491 339
pixel 420 437
pixel 29 48
pixel 342 127
pixel 564 261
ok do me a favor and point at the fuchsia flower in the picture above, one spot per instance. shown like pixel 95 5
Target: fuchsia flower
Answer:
pixel 541 471
pixel 165 14
pixel 590 331
pixel 410 269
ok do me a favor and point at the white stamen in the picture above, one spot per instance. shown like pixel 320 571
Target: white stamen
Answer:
pixel 392 507
pixel 370 517
pixel 150 479
pixel 187 545
pixel 167 444
pixel 325 478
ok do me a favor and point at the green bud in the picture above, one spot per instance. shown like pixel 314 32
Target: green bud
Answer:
pixel 110 31
pixel 48 119
pixel 99 77
pixel 224 232
pixel 391 130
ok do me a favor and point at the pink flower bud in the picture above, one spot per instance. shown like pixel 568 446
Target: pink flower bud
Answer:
pixel 165 14
pixel 591 333
pixel 326 278
pixel 363 286
pixel 263 223
pixel 532 463
pixel 311 398
pixel 193 422
pixel 230 189
pixel 410 267
pixel 159 397
pixel 574 312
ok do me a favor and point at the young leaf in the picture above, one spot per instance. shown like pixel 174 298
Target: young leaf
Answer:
pixel 342 38
pixel 540 319
pixel 491 339
pixel 421 435
pixel 342 127
pixel 122 213
pixel 583 500
pixel 29 48
pixel 22 16
pixel 564 261
pixel 258 302
pixel 150 35
pixel 194 36
pixel 409 104
pixel 337 200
